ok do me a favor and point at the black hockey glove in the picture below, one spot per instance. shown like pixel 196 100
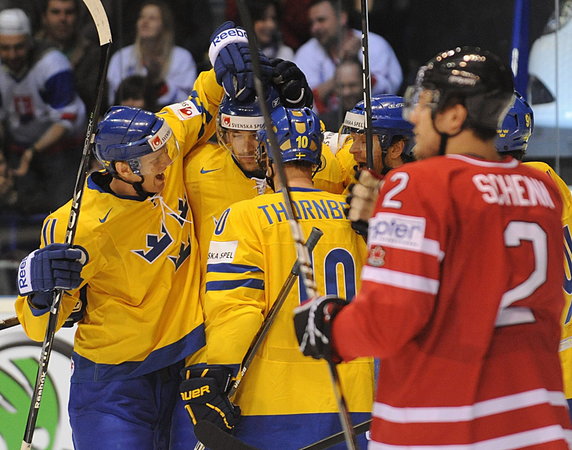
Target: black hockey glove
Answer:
pixel 230 56
pixel 361 200
pixel 313 324
pixel 204 391
pixel 292 84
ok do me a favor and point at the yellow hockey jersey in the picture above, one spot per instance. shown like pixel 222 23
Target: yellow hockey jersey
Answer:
pixel 330 177
pixel 250 257
pixel 214 182
pixel 141 283
pixel 566 341
pixel 348 165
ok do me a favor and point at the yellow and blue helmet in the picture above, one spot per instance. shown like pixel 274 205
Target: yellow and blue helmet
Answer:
pixel 298 134
pixel 516 128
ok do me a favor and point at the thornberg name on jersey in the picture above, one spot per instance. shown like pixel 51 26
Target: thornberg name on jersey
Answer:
pixel 305 209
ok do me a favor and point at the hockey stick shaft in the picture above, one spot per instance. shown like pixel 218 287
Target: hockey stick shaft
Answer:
pixel 313 239
pixel 366 75
pixel 99 16
pixel 306 271
pixel 258 339
pixel 9 322
pixel 337 438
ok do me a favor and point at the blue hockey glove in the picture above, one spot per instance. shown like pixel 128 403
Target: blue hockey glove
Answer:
pixel 204 392
pixel 313 325
pixel 292 84
pixel 230 56
pixel 56 266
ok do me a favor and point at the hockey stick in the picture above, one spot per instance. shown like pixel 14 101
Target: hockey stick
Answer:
pixel 257 341
pixel 216 438
pixel 9 323
pixel 313 239
pixel 306 271
pixel 101 21
pixel 337 438
pixel 366 83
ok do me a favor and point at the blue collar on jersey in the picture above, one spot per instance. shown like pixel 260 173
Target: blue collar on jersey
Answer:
pixel 99 181
pixel 300 189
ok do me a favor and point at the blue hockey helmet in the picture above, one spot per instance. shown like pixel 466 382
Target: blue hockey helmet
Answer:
pixel 516 128
pixel 236 127
pixel 135 136
pixel 243 116
pixel 298 135
pixel 386 119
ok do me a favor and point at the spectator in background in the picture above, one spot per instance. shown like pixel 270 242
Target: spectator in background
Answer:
pixel 8 194
pixel 170 69
pixel 349 91
pixel 266 16
pixel 294 23
pixel 42 114
pixel 332 42
pixel 134 91
pixel 61 29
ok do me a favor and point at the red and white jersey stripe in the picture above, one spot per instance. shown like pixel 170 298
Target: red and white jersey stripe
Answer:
pixel 461 299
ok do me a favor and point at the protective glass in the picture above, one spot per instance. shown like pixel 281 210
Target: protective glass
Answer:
pixel 165 150
pixel 418 95
pixel 353 125
pixel 237 134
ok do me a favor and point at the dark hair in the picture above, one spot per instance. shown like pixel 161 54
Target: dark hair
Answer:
pixel 483 133
pixel 136 87
pixel 46 2
pixel 257 8
pixel 130 87
pixel 337 5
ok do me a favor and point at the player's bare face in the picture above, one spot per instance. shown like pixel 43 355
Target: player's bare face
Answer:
pixel 153 167
pixel 243 146
pixel 324 23
pixel 358 150
pixel 149 23
pixel 60 19
pixel 14 51
pixel 427 139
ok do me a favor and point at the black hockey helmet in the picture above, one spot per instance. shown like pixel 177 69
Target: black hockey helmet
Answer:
pixel 469 75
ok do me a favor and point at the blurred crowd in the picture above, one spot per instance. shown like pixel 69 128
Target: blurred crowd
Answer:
pixel 50 54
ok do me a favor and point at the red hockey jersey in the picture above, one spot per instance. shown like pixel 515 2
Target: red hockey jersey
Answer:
pixel 461 299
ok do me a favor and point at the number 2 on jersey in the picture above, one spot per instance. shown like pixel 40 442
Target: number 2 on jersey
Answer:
pixel 514 234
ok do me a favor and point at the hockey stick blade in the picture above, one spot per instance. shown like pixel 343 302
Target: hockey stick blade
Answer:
pixel 9 323
pixel 337 438
pixel 216 439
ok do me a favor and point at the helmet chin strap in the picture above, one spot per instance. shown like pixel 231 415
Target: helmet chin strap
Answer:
pixel 270 176
pixel 444 136
pixel 138 186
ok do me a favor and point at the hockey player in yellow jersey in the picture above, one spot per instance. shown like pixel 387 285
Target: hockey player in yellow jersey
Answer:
pixel 392 136
pixel 286 399
pixel 218 175
pixel 513 137
pixel 141 313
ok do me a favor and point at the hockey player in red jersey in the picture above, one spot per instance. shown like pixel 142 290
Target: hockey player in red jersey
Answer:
pixel 462 292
